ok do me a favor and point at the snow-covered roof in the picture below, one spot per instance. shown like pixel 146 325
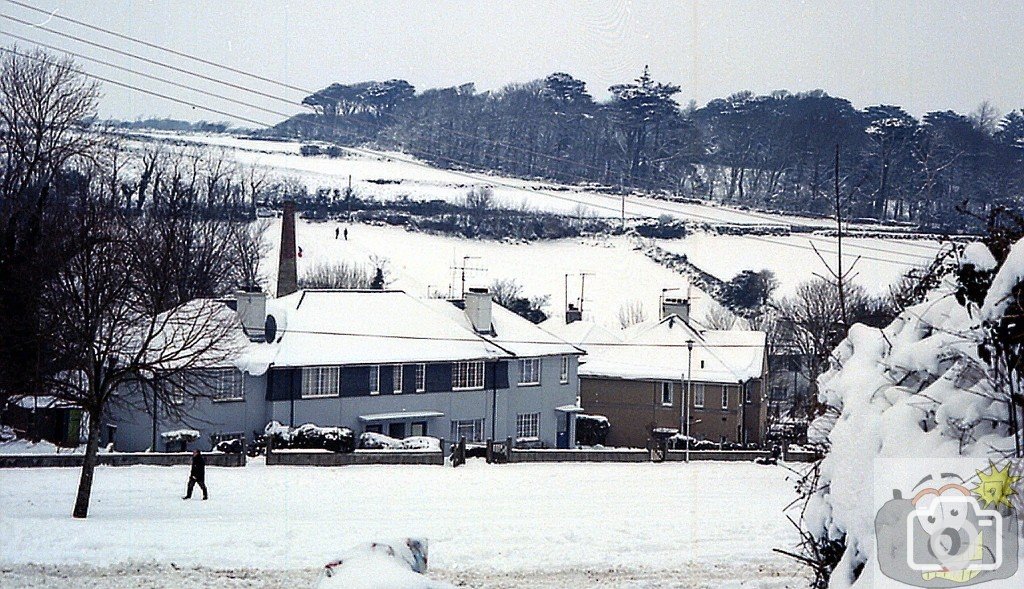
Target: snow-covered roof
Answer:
pixel 581 333
pixel 353 327
pixel 658 351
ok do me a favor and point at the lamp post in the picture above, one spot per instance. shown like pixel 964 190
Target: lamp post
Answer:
pixel 686 401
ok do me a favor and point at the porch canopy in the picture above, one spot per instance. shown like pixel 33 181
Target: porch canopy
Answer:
pixel 399 415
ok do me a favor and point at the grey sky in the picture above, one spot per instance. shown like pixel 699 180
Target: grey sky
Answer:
pixel 921 55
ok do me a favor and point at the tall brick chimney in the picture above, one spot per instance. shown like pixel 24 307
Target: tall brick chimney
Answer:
pixel 287 273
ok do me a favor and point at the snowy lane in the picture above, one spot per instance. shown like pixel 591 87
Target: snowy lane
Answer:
pixel 500 519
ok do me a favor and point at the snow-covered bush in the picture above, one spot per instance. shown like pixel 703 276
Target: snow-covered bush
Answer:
pixel 7 433
pixel 310 436
pixel 929 385
pixel 375 441
pixel 179 439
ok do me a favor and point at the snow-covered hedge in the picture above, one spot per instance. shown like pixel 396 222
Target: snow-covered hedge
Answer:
pixel 311 437
pixel 920 388
pixel 180 435
pixel 375 441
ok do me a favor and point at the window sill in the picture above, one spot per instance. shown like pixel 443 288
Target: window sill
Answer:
pixel 331 396
pixel 527 384
pixel 460 389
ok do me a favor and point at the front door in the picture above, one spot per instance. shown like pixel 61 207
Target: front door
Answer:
pixel 418 428
pixel 396 430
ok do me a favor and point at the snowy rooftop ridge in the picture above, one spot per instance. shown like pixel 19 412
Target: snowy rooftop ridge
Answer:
pixel 368 327
pixel 657 350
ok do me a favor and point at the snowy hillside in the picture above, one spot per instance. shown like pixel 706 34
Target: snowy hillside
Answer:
pixel 792 259
pixel 420 264
pixel 387 175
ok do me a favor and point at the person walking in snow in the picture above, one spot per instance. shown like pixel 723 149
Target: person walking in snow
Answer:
pixel 337 230
pixel 346 234
pixel 197 476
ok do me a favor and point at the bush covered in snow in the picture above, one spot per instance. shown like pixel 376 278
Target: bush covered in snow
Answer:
pixel 375 441
pixel 309 436
pixel 935 383
pixel 381 565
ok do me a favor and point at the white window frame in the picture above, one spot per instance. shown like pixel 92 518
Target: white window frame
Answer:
pixel 563 375
pixel 477 428
pixel 527 426
pixel 670 388
pixel 375 380
pixel 530 371
pixel 468 376
pixel 698 394
pixel 321 381
pixel 228 385
pixel 421 378
pixel 396 378
pixel 725 397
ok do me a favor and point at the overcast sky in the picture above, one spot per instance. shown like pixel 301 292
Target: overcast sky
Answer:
pixel 921 55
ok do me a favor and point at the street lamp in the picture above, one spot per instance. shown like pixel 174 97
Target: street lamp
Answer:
pixel 686 401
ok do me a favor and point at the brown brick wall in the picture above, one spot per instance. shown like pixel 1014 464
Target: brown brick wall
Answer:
pixel 634 408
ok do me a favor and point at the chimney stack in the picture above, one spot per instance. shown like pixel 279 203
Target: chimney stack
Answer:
pixel 573 314
pixel 478 308
pixel 287 272
pixel 676 306
pixel 251 308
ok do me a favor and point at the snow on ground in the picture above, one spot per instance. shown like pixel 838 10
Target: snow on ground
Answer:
pixel 882 261
pixel 421 263
pixel 420 181
pixel 702 520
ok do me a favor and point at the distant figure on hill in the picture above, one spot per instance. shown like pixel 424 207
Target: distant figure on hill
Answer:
pixel 197 476
pixel 337 231
pixel 346 234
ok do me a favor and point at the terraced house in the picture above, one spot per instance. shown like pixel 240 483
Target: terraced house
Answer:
pixel 381 361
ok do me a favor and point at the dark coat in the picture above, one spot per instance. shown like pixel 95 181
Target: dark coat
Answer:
pixel 198 467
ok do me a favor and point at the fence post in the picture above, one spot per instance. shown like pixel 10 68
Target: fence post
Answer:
pixel 508 449
pixel 489 455
pixel 459 456
pixel 444 454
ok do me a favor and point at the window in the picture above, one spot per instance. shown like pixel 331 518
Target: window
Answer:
pixel 667 389
pixel 396 378
pixel 375 428
pixel 529 371
pixel 698 394
pixel 471 429
pixel 527 425
pixel 468 375
pixel 321 381
pixel 228 385
pixel 375 380
pixel 421 378
pixel 563 375
pixel 725 396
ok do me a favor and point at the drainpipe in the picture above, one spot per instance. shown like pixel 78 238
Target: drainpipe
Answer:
pixel 494 397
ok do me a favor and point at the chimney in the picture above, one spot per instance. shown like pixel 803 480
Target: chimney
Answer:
pixel 676 306
pixel 251 308
pixel 478 308
pixel 287 273
pixel 573 314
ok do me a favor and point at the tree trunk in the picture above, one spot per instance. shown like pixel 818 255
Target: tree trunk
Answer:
pixel 88 466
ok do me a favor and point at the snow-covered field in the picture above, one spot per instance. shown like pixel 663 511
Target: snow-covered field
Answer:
pixel 420 181
pixel 644 525
pixel 881 261
pixel 421 263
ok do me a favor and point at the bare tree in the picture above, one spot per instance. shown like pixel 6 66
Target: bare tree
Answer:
pixel 45 105
pixel 631 313
pixel 338 275
pixel 250 244
pixel 720 318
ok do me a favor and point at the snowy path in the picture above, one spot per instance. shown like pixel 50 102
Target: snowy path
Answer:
pixel 490 526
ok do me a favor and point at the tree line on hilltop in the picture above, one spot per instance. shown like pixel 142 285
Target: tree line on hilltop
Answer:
pixel 773 152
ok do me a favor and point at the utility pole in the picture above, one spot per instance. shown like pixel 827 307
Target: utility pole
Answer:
pixel 839 244
pixel 686 400
pixel 623 211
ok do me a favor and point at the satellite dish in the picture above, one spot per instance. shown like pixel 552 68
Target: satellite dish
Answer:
pixel 270 329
